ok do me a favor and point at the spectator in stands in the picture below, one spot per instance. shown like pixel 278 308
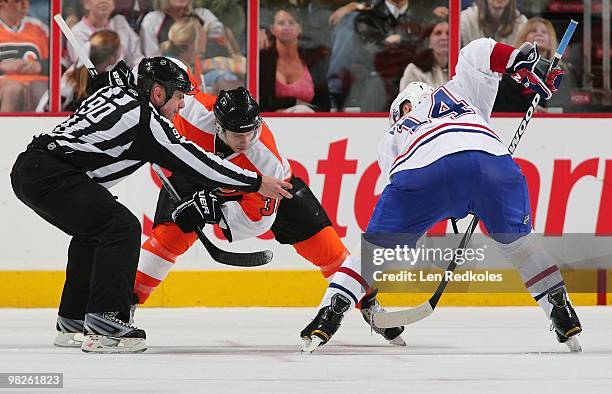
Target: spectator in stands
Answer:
pixel 104 49
pixel 373 46
pixel 497 19
pixel 24 56
pixel 187 42
pixel 225 65
pixel 232 13
pixel 430 65
pixel 512 97
pixel 98 17
pixel 157 23
pixel 317 17
pixel 39 9
pixel 291 78
pixel 72 11
pixel 352 6
pixel 539 30
pixel 134 11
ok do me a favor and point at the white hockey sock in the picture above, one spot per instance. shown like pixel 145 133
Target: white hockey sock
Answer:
pixel 541 276
pixel 153 265
pixel 348 282
pixel 537 268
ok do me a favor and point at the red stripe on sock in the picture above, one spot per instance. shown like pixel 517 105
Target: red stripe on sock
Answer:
pixel 355 276
pixel 144 285
pixel 541 275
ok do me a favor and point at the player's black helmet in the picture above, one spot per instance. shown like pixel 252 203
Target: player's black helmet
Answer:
pixel 236 110
pixel 170 73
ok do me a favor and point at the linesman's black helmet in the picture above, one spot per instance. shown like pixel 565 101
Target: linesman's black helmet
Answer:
pixel 170 73
pixel 236 110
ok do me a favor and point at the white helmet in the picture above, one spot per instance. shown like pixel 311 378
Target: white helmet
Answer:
pixel 414 93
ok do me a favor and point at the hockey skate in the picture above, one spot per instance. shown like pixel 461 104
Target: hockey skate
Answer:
pixel 106 333
pixel 369 307
pixel 564 320
pixel 70 332
pixel 320 330
pixel 133 307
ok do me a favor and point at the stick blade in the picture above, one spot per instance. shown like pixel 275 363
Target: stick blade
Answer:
pixel 254 259
pixel 402 318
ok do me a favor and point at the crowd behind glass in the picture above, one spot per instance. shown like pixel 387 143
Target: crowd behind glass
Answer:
pixel 314 55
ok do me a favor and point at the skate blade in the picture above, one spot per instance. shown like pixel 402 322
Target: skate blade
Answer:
pixel 398 341
pixel 69 339
pixel 573 344
pixel 311 345
pixel 106 345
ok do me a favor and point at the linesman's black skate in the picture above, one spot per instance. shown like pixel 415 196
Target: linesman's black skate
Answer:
pixel 564 320
pixel 69 332
pixel 320 330
pixel 106 333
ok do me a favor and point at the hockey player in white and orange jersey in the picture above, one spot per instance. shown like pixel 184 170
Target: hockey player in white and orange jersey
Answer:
pixel 232 128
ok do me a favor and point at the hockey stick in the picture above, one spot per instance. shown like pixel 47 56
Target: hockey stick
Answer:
pixel 254 259
pixel 412 315
pixel 61 23
pixel 536 99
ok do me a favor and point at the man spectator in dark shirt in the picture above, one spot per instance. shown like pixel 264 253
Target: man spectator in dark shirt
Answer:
pixel 373 46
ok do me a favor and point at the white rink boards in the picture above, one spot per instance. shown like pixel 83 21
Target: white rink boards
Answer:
pixel 319 147
pixel 240 350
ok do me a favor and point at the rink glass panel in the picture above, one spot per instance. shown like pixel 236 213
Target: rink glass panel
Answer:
pixel 25 89
pixel 586 87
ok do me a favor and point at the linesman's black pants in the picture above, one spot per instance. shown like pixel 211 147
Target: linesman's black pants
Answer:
pixel 105 245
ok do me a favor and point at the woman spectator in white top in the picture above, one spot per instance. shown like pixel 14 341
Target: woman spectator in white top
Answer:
pixel 512 97
pixel 156 24
pixel 496 19
pixel 98 17
pixel 430 65
pixel 224 64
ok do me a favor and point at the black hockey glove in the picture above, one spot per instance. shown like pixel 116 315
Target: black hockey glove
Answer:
pixel 195 212
pixel 120 76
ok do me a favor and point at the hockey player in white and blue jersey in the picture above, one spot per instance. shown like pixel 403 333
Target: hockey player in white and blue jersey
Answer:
pixel 441 158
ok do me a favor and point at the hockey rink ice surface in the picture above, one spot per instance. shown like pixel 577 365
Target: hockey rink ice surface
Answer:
pixel 256 350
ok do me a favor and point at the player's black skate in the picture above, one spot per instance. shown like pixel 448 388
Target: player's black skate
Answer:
pixel 564 320
pixel 320 330
pixel 369 307
pixel 70 332
pixel 106 333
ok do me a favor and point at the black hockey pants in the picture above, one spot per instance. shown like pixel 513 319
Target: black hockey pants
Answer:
pixel 105 245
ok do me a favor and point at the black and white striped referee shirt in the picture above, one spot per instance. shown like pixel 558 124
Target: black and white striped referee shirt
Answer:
pixel 114 132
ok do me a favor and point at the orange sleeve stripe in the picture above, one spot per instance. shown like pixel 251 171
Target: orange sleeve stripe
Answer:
pixel 267 139
pixel 242 161
pixel 201 138
pixel 207 100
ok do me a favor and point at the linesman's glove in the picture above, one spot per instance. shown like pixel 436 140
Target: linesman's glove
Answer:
pixel 530 70
pixel 195 212
pixel 120 76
